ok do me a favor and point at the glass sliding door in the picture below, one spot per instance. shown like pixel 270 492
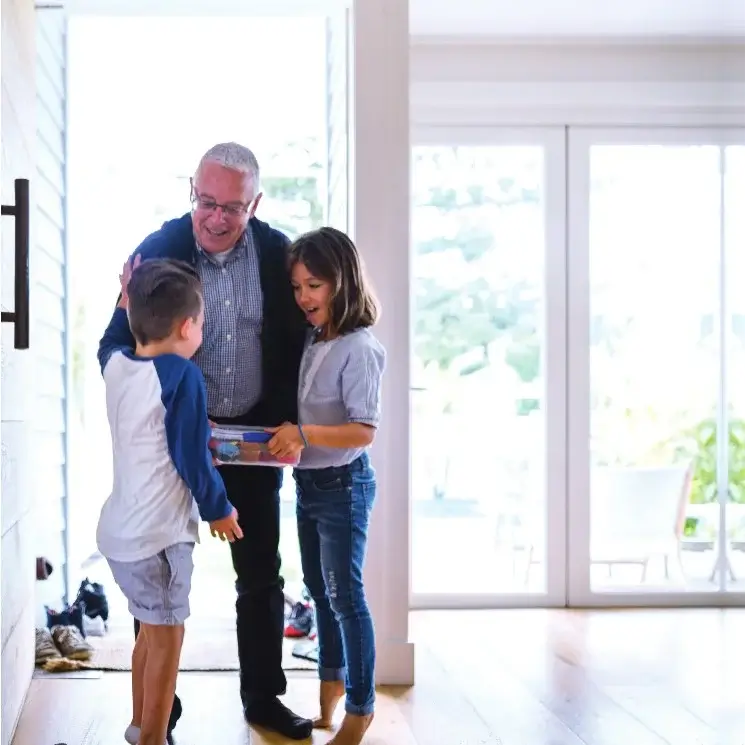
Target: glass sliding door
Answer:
pixel 654 355
pixel 732 564
pixel 488 367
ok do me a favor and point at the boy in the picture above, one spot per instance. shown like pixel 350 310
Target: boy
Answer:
pixel 164 478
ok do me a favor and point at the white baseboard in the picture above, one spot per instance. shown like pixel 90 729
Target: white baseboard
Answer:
pixel 395 663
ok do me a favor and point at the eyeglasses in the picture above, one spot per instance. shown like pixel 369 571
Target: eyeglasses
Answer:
pixel 234 209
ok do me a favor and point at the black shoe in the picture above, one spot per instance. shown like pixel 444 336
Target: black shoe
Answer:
pixel 273 715
pixel 176 711
pixel 94 597
pixel 71 615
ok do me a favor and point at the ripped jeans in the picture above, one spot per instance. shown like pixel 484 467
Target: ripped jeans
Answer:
pixel 333 511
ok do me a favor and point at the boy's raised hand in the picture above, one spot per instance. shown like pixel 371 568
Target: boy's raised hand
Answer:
pixel 227 527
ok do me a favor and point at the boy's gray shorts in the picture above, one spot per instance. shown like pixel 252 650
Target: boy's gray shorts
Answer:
pixel 157 588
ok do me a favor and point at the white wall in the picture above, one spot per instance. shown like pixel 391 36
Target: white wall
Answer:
pixel 541 82
pixel 377 138
pixel 551 18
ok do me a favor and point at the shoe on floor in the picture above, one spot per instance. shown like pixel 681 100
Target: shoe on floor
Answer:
pixel 273 715
pixel 93 596
pixel 305 649
pixel 71 643
pixel 63 665
pixel 46 649
pixel 94 626
pixel 299 622
pixel 71 615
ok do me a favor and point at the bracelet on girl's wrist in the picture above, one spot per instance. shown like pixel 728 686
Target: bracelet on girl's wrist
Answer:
pixel 302 435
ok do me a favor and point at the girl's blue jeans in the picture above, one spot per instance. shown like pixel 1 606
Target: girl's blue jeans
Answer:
pixel 333 512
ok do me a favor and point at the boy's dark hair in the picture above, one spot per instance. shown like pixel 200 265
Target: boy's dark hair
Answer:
pixel 162 293
pixel 331 255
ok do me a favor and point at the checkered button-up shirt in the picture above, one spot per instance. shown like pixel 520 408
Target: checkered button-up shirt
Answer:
pixel 230 355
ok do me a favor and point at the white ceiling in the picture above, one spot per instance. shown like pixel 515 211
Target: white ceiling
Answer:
pixel 479 18
pixel 578 17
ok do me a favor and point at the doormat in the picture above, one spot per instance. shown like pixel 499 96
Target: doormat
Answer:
pixel 204 650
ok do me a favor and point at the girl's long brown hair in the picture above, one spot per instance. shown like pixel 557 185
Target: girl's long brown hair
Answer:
pixel 330 255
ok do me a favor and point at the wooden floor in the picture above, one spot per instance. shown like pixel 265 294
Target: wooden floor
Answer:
pixel 483 678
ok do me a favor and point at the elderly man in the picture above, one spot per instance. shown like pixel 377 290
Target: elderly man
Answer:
pixel 253 339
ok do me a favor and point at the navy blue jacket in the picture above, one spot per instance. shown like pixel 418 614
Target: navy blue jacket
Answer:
pixel 284 326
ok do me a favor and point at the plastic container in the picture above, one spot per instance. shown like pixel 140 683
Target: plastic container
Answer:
pixel 244 446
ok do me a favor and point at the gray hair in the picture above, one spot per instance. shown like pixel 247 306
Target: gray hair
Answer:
pixel 235 157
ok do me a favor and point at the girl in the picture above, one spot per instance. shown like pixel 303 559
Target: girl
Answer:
pixel 338 412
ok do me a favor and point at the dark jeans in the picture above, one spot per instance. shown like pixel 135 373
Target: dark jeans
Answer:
pixel 260 602
pixel 260 605
pixel 333 511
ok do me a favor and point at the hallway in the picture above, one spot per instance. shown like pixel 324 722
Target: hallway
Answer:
pixel 522 677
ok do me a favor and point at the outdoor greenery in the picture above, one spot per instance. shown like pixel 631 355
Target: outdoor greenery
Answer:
pixel 478 306
pixel 452 320
pixel 699 445
pixel 292 192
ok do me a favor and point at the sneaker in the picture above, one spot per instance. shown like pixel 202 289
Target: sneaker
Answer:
pixel 305 649
pixel 46 649
pixel 63 665
pixel 72 615
pixel 71 643
pixel 94 626
pixel 92 595
pixel 299 622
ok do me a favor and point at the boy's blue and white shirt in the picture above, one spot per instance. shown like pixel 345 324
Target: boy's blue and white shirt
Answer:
pixel 164 479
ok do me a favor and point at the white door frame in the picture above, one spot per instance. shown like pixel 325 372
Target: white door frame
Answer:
pixel 580 140
pixel 555 363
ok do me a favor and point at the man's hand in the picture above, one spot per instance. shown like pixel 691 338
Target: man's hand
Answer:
pixel 124 278
pixel 287 441
pixel 227 528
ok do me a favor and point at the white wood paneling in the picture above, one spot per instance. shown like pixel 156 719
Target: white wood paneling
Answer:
pixel 49 309
pixel 17 403
pixel 32 381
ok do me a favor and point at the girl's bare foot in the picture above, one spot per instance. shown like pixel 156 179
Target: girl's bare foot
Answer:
pixel 352 730
pixel 332 691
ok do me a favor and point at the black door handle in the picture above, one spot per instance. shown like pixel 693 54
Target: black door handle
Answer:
pixel 20 317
